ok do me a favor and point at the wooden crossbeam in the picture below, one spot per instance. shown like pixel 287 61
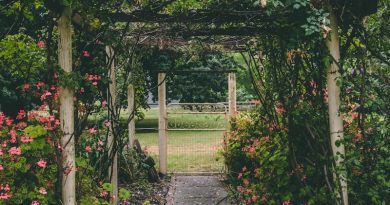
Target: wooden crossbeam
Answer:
pixel 198 16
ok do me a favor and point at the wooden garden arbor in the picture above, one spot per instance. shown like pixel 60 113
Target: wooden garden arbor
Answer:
pixel 260 24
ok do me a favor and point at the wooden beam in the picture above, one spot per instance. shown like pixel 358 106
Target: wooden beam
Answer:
pixel 113 169
pixel 183 72
pixel 162 123
pixel 68 182
pixel 198 16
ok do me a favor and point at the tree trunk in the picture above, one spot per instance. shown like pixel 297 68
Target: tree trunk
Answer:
pixel 68 185
pixel 335 118
pixel 113 169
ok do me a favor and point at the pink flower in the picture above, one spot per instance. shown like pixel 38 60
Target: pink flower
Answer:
pixel 45 95
pixel 358 137
pixel 103 194
pixel 1 152
pixel 41 44
pixel 92 130
pixel 1 167
pixel 25 139
pixel 21 125
pixel 100 142
pixel 42 191
pixel 252 150
pixel 35 203
pixel 40 84
pixel 354 115
pixel 13 136
pixel 41 163
pixel 15 151
pixel 8 121
pixel 82 90
pixel 5 196
pixel 104 103
pixel 21 114
pixel 86 54
pixel 26 86
pixel 94 83
pixel 88 148
pixel 246 182
pixel 286 202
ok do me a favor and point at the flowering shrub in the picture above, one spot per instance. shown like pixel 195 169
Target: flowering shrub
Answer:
pixel 28 169
pixel 257 157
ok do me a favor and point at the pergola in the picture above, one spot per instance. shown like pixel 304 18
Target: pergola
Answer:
pixel 235 24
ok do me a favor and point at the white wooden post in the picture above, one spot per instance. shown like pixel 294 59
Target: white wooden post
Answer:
pixel 113 169
pixel 162 123
pixel 68 185
pixel 232 94
pixel 131 110
pixel 335 118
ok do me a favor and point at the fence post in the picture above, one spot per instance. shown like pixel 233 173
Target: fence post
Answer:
pixel 113 169
pixel 68 183
pixel 131 110
pixel 162 123
pixel 232 94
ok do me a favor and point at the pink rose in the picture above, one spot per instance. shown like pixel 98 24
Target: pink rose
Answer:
pixel 88 148
pixel 41 44
pixel 42 163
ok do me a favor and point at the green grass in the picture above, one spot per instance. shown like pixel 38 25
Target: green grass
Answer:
pixel 188 151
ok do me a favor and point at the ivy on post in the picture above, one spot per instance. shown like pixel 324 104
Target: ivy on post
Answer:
pixel 113 155
pixel 67 110
pixel 335 118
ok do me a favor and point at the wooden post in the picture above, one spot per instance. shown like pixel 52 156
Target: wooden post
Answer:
pixel 232 94
pixel 335 118
pixel 113 169
pixel 131 110
pixel 68 185
pixel 162 123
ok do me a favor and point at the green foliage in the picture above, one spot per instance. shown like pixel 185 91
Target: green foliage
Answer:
pixel 35 131
pixel 190 87
pixel 21 61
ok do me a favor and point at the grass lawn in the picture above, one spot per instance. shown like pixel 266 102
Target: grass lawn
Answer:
pixel 188 151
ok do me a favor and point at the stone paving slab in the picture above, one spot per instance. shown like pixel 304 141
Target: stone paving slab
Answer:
pixel 195 190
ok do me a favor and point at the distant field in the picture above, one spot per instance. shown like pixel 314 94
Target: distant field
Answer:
pixel 188 151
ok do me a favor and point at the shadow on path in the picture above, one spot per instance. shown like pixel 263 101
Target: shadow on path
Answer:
pixel 194 190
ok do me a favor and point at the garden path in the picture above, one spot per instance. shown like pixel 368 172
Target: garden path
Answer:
pixel 194 190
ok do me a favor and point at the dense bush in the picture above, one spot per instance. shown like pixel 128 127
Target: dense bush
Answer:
pixel 28 169
pixel 258 158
